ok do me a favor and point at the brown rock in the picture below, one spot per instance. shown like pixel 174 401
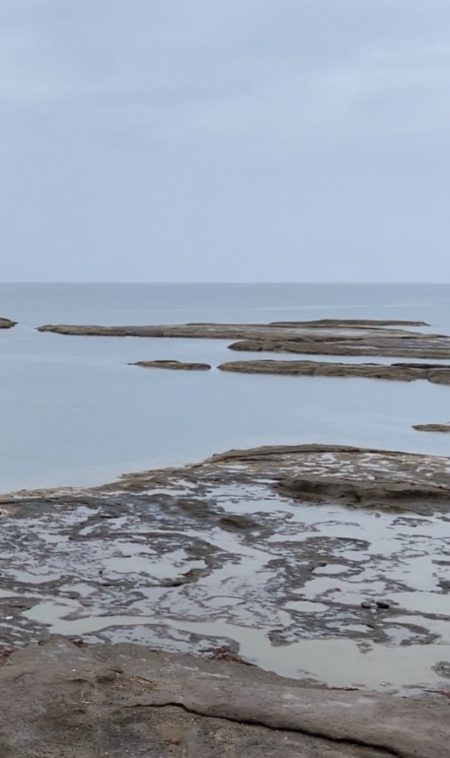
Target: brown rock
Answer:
pixel 405 372
pixel 183 707
pixel 319 337
pixel 419 346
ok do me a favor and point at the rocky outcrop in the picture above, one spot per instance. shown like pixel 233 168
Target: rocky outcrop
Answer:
pixel 274 330
pixel 6 323
pixel 302 559
pixel 346 323
pixel 432 427
pixel 353 475
pixel 363 493
pixel 321 337
pixel 316 330
pixel 337 323
pixel 405 372
pixel 194 331
pixel 419 346
pixel 117 700
pixel 174 365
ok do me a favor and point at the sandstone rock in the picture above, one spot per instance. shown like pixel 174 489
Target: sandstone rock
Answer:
pixel 189 535
pixel 355 328
pixel 323 336
pixel 65 701
pixel 353 322
pixel 419 346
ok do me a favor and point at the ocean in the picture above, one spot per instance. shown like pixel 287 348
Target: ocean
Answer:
pixel 74 413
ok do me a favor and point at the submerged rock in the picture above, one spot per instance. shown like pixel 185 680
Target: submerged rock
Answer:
pixel 405 372
pixel 6 323
pixel 172 364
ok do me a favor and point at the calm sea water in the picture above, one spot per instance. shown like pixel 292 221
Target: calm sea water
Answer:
pixel 73 412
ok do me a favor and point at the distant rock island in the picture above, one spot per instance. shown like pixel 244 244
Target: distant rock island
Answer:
pixel 6 323
pixel 173 365
pixel 405 372
pixel 432 427
pixel 350 337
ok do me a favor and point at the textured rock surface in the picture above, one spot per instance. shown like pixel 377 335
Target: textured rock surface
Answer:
pixel 201 331
pixel 274 329
pixel 404 372
pixel 389 345
pixel 322 562
pixel 174 365
pixel 63 701
pixel 322 337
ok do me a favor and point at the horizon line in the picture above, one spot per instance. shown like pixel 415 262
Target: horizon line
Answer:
pixel 215 282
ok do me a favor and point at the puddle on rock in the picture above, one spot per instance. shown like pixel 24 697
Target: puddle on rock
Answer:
pixel 293 587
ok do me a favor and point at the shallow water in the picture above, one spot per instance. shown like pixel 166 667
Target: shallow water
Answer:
pixel 73 412
pixel 276 598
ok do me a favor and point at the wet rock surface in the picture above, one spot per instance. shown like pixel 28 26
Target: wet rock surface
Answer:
pixel 325 563
pixel 6 323
pixel 124 700
pixel 173 365
pixel 400 372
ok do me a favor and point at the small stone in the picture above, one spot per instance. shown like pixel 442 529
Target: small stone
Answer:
pixel 107 676
pixel 442 668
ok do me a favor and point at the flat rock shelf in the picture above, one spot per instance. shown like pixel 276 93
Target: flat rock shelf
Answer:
pixel 320 562
pixel 121 700
pixel 281 600
pixel 404 372
pixel 173 365
pixel 323 337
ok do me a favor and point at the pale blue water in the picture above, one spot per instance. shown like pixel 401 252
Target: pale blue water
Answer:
pixel 73 412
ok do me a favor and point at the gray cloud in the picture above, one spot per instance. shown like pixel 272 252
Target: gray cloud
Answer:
pixel 247 140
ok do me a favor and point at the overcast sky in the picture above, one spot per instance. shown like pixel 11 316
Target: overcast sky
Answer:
pixel 240 140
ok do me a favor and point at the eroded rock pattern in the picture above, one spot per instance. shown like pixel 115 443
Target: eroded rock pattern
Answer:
pixel 326 563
